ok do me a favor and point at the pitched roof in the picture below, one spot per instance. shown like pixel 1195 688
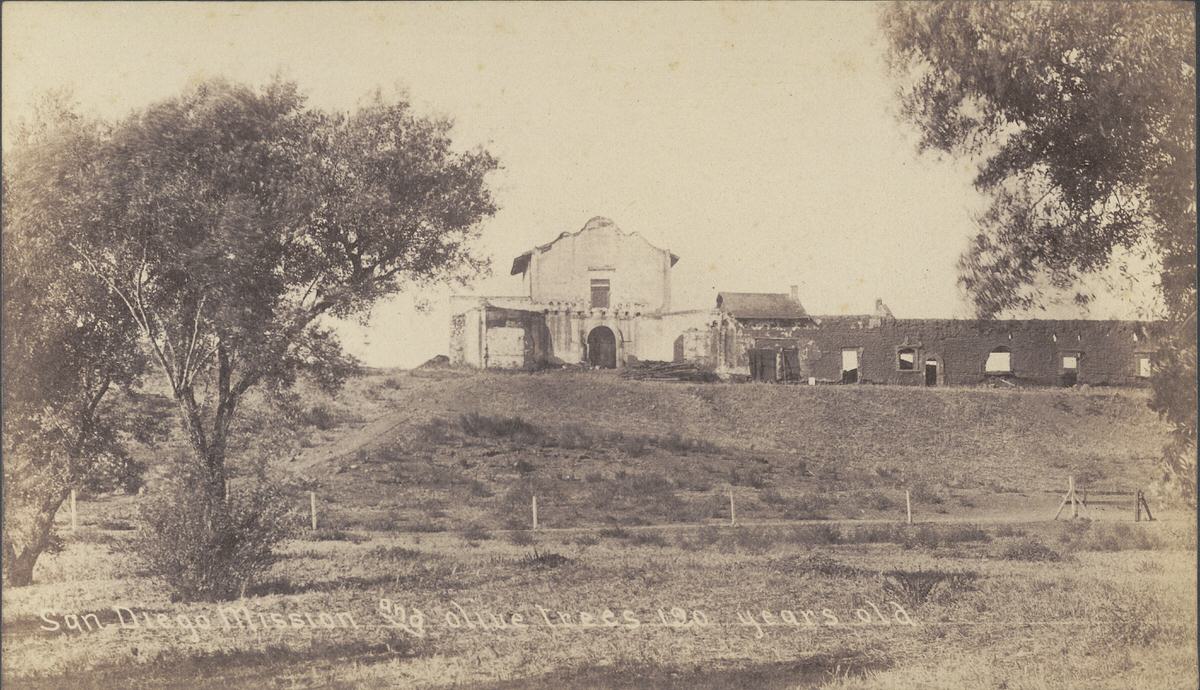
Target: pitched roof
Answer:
pixel 521 262
pixel 760 305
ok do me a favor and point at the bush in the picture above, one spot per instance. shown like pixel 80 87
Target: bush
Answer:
pixel 683 445
pixel 614 532
pixel 475 424
pixel 319 416
pixel 753 476
pixel 925 494
pixel 647 538
pixel 881 502
pixel 476 533
pixel 521 538
pixel 913 588
pixel 1030 550
pixel 209 552
pixel 331 534
pixel 548 559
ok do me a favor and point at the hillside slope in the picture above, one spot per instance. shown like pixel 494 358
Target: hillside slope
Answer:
pixel 592 444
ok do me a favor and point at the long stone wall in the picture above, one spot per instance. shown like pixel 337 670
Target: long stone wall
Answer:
pixel 1040 352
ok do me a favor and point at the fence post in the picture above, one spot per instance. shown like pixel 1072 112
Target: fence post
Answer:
pixel 1137 506
pixel 1074 500
pixel 535 526
pixel 74 520
pixel 732 512
pixel 312 508
pixel 908 505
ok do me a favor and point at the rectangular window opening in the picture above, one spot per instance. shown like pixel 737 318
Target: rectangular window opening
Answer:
pixel 1144 367
pixel 999 362
pixel 850 371
pixel 600 293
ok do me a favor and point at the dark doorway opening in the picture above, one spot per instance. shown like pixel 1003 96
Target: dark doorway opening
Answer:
pixel 762 365
pixel 602 348
pixel 931 372
pixel 790 361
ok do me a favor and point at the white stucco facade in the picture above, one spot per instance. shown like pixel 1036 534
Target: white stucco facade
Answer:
pixel 597 296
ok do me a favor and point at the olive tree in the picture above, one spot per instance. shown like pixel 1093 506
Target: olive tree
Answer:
pixel 68 345
pixel 236 219
pixel 1082 117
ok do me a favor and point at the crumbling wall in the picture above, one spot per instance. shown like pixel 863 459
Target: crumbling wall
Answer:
pixel 735 338
pixel 693 345
pixel 457 346
pixel 1106 352
pixel 515 338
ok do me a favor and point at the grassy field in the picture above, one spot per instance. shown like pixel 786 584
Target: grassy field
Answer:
pixel 424 482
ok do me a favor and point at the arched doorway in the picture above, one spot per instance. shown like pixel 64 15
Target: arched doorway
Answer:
pixel 602 348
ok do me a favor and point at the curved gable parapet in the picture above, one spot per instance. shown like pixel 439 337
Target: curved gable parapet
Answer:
pixel 599 265
pixel 601 223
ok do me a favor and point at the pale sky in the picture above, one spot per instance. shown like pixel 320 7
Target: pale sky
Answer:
pixel 756 141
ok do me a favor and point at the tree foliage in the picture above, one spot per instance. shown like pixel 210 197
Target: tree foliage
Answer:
pixel 218 229
pixel 68 344
pixel 1083 118
pixel 234 219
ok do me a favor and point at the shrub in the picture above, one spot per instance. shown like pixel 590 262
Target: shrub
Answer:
pixel 478 489
pixel 1134 617
pixel 752 540
pixel 319 416
pixel 633 446
pixel 475 424
pixel 753 476
pixel 636 495
pixel 704 537
pixel 683 445
pixel 927 495
pixel 881 501
pixel 585 539
pixel 115 525
pixel 820 563
pixel 521 538
pixel 916 587
pixel 548 559
pixel 646 538
pixel 330 534
pixel 435 432
pixel 614 532
pixel 772 497
pixel 932 537
pixel 1113 537
pixel 476 533
pixel 206 550
pixel 1030 550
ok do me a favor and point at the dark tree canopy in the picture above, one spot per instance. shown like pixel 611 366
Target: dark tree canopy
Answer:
pixel 1083 116
pixel 230 220
pixel 68 344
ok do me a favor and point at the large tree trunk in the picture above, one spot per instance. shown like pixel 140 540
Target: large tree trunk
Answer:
pixel 18 565
pixel 210 441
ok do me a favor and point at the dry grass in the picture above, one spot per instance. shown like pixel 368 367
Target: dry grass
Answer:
pixel 414 504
